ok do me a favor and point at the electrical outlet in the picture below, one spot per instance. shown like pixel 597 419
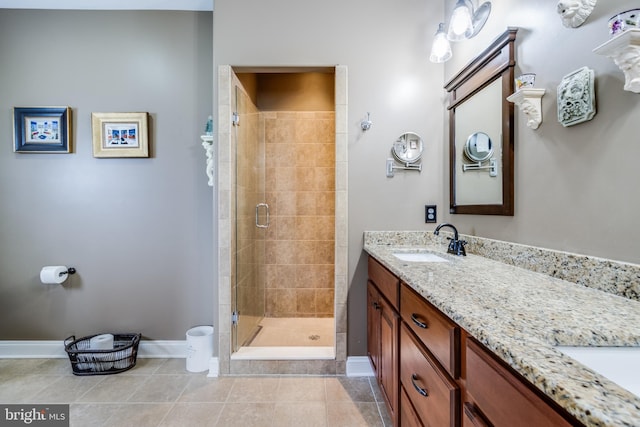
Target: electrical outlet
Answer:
pixel 430 213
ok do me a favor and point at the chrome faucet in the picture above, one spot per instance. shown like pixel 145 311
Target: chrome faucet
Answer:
pixel 456 246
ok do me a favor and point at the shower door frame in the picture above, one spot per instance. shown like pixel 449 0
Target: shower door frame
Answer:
pixel 227 81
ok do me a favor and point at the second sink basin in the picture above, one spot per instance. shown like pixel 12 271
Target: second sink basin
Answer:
pixel 418 257
pixel 619 364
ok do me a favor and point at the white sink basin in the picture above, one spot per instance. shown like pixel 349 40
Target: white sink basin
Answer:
pixel 418 257
pixel 619 364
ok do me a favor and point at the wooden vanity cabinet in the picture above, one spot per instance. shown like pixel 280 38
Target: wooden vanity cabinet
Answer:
pixel 497 397
pixel 382 333
pixel 416 350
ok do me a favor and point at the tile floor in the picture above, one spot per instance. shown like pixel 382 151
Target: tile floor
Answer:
pixel 160 392
pixel 291 331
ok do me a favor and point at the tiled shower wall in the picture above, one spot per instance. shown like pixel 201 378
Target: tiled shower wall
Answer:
pixel 300 243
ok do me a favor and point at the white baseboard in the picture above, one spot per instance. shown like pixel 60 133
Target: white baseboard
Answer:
pixel 359 366
pixel 55 349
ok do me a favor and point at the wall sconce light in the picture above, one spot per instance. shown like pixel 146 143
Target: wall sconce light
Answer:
pixel 466 21
pixel 441 48
pixel 464 24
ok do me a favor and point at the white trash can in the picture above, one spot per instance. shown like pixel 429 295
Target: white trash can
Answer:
pixel 199 348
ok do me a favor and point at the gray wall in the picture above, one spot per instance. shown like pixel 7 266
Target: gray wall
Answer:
pixel 575 187
pixel 139 231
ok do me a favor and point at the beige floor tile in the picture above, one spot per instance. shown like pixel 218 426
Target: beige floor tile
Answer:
pixel 10 367
pixel 247 415
pixel 21 389
pixel 160 388
pixel 384 414
pixel 193 415
pixel 176 366
pixel 349 389
pixel 139 415
pixel 204 389
pixel 161 393
pixel 145 367
pixel 296 414
pixel 254 389
pixel 299 389
pixel 91 414
pixel 353 414
pixel 53 367
pixel 112 389
pixel 66 389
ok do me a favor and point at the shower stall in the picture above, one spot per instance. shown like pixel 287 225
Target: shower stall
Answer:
pixel 285 237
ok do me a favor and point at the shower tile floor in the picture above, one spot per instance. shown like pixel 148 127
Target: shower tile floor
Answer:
pixel 295 331
pixel 161 393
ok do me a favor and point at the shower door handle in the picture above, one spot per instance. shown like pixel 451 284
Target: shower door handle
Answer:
pixel 266 207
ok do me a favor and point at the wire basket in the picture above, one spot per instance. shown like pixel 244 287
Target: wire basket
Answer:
pixel 88 361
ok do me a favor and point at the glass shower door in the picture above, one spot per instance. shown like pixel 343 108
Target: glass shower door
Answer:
pixel 248 295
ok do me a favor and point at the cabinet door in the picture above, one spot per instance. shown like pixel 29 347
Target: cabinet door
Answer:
pixel 373 326
pixel 504 398
pixel 388 361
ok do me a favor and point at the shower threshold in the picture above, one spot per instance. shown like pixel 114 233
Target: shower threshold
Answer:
pixel 284 353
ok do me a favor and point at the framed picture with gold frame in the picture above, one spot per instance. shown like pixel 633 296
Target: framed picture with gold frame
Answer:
pixel 42 129
pixel 120 134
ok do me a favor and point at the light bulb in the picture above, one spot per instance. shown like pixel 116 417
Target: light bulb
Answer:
pixel 461 25
pixel 440 49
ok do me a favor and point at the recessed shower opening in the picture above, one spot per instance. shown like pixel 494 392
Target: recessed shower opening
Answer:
pixel 287 219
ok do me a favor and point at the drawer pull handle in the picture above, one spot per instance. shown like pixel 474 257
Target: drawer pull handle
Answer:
pixel 420 390
pixel 375 305
pixel 417 322
pixel 474 416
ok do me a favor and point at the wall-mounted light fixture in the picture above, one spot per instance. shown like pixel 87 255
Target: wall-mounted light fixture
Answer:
pixel 465 23
pixel 441 48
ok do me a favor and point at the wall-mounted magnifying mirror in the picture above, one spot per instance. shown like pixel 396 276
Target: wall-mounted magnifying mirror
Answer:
pixel 481 132
pixel 478 147
pixel 407 148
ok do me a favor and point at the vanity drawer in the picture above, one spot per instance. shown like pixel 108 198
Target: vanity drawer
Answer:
pixel 434 396
pixel 385 281
pixel 501 396
pixel 439 334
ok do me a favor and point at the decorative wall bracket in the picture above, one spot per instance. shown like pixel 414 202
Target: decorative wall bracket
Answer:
pixel 207 144
pixel 529 101
pixel 624 49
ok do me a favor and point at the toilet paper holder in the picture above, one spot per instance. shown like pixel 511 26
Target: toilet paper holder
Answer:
pixel 70 270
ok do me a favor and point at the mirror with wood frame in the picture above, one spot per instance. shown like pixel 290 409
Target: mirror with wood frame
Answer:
pixel 481 134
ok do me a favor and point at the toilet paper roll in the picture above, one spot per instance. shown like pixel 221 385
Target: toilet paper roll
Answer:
pixel 101 342
pixel 54 274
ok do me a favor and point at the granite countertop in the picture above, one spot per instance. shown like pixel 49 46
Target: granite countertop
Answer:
pixel 521 315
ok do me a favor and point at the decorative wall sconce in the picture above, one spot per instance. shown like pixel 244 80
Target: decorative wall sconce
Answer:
pixel 465 23
pixel 441 48
pixel 574 12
